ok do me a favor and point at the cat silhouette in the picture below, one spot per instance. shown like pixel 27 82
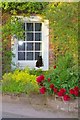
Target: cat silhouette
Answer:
pixel 39 62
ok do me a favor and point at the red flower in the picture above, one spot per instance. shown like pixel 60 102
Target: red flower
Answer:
pixel 66 97
pixel 76 88
pixel 55 90
pixel 71 91
pixel 61 92
pixel 51 86
pixel 54 66
pixel 42 90
pixel 49 79
pixel 40 78
pixel 76 93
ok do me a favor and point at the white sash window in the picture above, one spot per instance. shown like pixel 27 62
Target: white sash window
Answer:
pixel 35 43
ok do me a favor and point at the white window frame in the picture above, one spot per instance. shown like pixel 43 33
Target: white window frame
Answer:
pixel 45 45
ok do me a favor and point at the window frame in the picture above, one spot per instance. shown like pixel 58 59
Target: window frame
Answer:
pixel 45 45
pixel 34 51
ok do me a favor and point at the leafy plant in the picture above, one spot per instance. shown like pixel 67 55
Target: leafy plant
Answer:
pixel 23 7
pixel 62 76
pixel 64 34
pixel 14 26
pixel 34 71
pixel 19 82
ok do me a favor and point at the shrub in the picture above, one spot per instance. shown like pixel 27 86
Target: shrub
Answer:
pixel 34 71
pixel 19 82
pixel 62 80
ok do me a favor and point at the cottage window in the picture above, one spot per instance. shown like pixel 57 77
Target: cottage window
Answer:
pixel 31 47
pixel 34 44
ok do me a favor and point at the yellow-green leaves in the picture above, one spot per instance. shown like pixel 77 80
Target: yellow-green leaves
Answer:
pixel 19 82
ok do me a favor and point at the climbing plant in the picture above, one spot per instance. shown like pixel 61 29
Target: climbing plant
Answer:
pixel 24 7
pixel 63 22
pixel 12 27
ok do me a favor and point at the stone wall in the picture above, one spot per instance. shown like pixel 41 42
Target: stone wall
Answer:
pixel 45 102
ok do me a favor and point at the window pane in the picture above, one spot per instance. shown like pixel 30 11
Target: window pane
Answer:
pixel 38 26
pixel 29 26
pixel 29 46
pixel 38 46
pixel 29 36
pixel 21 46
pixel 37 54
pixel 38 37
pixel 21 55
pixel 29 55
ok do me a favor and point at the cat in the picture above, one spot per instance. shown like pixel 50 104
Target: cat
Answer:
pixel 39 62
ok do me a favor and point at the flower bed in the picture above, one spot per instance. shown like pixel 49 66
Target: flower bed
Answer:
pixel 62 82
pixel 49 88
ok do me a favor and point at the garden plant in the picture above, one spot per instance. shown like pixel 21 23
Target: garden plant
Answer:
pixel 62 78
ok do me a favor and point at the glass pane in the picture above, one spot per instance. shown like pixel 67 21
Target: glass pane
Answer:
pixel 38 37
pixel 21 46
pixel 37 54
pixel 21 55
pixel 38 46
pixel 38 26
pixel 29 26
pixel 29 55
pixel 29 46
pixel 29 36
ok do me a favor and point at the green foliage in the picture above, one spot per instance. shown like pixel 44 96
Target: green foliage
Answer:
pixel 14 26
pixel 19 82
pixel 7 60
pixel 24 7
pixel 65 75
pixel 64 23
pixel 35 72
pixel 63 19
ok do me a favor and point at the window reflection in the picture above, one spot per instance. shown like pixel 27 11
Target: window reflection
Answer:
pixel 38 46
pixel 38 37
pixel 29 46
pixel 29 55
pixel 21 55
pixel 29 26
pixel 21 46
pixel 38 26
pixel 29 36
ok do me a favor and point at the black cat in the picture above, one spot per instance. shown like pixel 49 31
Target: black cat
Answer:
pixel 39 62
